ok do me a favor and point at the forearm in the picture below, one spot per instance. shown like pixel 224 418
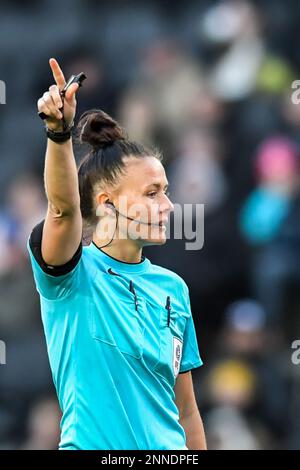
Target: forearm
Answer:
pixel 60 175
pixel 194 430
pixel 61 179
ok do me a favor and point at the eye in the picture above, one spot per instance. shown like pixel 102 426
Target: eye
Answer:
pixel 152 194
pixel 167 193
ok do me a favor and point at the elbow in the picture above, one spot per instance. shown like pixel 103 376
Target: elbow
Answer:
pixel 61 210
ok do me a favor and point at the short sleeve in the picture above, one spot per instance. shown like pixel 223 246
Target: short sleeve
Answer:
pixel 190 354
pixel 52 282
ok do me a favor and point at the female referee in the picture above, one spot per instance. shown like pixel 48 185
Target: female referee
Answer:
pixel 119 330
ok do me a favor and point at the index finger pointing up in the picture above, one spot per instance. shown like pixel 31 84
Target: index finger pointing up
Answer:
pixel 57 73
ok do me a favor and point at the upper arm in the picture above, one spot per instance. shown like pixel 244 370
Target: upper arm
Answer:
pixel 61 237
pixel 184 394
pixel 52 282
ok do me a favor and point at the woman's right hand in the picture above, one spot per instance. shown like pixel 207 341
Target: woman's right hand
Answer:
pixel 51 101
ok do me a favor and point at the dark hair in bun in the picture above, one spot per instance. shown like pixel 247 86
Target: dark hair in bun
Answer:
pixel 98 129
pixel 104 162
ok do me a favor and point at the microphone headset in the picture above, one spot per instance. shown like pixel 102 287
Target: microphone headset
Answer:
pixel 111 204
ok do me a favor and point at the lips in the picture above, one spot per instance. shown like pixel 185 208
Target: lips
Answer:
pixel 163 223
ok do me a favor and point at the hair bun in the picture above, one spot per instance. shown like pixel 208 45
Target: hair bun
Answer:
pixel 98 129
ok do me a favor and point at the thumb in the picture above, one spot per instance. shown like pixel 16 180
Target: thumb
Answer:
pixel 70 93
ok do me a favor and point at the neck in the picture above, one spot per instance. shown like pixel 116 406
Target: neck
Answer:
pixel 127 250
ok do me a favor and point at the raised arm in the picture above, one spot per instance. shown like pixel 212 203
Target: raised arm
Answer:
pixel 62 230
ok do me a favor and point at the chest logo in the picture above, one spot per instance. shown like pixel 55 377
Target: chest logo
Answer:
pixel 177 353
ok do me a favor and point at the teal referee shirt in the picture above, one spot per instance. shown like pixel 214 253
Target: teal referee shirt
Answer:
pixel 117 336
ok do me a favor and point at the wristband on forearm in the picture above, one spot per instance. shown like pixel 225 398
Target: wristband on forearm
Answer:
pixel 61 136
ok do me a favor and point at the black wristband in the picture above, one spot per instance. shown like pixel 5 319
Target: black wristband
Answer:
pixel 59 137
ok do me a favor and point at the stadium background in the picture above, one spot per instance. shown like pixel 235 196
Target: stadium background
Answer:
pixel 209 83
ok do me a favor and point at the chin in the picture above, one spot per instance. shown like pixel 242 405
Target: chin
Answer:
pixel 155 241
pixel 153 237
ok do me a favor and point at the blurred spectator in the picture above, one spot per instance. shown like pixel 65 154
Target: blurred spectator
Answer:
pixel 264 220
pixel 43 425
pixel 227 429
pixel 265 210
pixel 234 24
pixel 163 94
pixel 231 389
pixel 26 205
pixel 245 336
pixel 196 175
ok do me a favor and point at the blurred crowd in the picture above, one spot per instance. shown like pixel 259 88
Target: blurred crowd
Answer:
pixel 210 84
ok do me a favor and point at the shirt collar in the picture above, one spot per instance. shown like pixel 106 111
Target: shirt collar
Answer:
pixel 120 266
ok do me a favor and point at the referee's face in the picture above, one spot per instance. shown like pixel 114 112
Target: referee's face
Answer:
pixel 143 195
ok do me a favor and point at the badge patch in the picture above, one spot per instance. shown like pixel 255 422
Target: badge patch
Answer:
pixel 177 353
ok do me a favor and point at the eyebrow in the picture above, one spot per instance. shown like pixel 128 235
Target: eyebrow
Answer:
pixel 157 185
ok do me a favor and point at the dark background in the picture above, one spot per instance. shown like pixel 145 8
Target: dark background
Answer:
pixel 209 83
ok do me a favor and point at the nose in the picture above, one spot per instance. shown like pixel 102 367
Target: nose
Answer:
pixel 167 205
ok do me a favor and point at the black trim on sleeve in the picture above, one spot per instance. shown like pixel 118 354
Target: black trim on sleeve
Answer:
pixel 185 371
pixel 35 243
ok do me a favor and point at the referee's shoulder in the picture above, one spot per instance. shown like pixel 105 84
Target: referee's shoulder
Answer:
pixel 176 278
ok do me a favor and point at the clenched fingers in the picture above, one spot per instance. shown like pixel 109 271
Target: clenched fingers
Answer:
pixel 49 106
